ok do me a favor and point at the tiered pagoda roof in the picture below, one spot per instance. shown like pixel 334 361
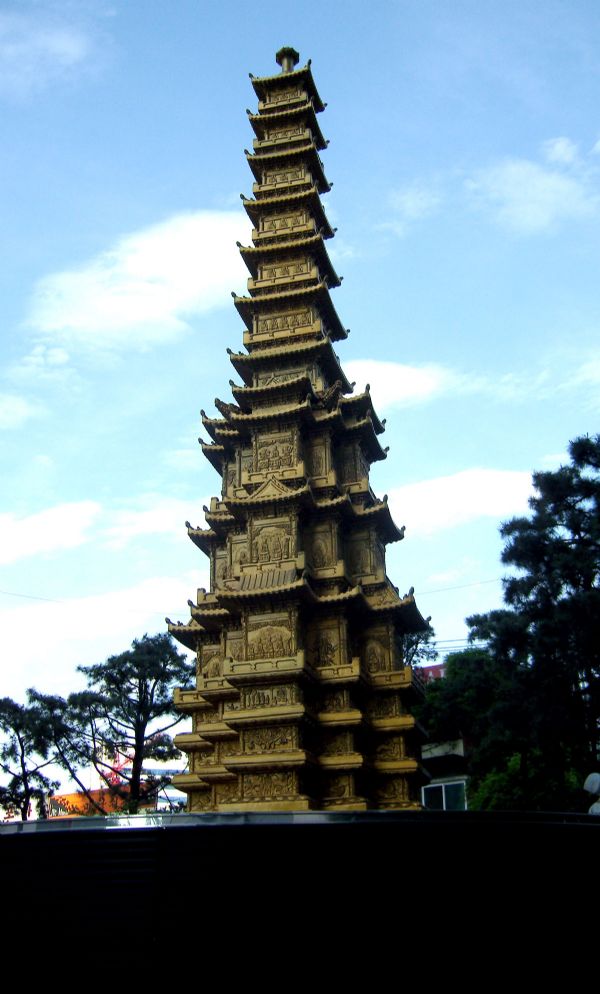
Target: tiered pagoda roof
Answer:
pixel 301 686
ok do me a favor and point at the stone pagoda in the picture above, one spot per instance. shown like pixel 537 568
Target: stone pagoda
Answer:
pixel 302 699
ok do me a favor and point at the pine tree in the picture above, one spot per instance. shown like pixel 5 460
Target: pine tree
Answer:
pixel 127 710
pixel 530 705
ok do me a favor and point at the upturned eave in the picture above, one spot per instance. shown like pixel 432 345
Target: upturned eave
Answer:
pixel 203 538
pixel 298 386
pixel 380 512
pixel 253 255
pixel 305 153
pixel 246 362
pixel 263 85
pixel 215 454
pixel 365 429
pixel 361 403
pixel 306 112
pixel 309 197
pixel 319 294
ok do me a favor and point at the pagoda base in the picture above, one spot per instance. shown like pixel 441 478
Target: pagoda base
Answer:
pixel 354 804
pixel 288 804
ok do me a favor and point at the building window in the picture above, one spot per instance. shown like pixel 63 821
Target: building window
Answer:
pixel 445 796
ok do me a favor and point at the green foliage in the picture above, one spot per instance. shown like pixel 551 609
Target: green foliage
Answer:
pixel 24 749
pixel 127 710
pixel 417 648
pixel 529 706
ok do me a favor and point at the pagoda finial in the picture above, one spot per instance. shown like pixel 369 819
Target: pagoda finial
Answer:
pixel 287 58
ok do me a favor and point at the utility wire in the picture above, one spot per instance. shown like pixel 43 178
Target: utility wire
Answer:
pixel 438 590
pixel 31 597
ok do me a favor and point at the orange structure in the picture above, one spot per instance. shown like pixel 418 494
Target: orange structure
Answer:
pixel 302 699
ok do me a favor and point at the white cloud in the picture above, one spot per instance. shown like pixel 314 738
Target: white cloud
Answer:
pixel 15 410
pixel 148 515
pixel 434 505
pixel 411 203
pixel 64 526
pixel 44 357
pixel 394 384
pixel 587 372
pixel 34 54
pixel 528 198
pixel 86 630
pixel 44 365
pixel 143 291
pixel 561 150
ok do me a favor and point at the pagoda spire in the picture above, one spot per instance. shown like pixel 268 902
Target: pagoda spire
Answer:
pixel 302 697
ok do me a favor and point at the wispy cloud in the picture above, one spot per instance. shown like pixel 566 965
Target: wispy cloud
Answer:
pixel 529 197
pixel 147 515
pixel 72 634
pixel 64 526
pixel 396 385
pixel 144 290
pixel 561 150
pixel 434 505
pixel 15 410
pixel 409 204
pixel 53 530
pixel 35 52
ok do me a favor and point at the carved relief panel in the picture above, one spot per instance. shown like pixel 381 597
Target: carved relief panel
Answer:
pixel 339 788
pixel 273 738
pixel 285 94
pixel 283 323
pixel 239 553
pixel 320 543
pixel 317 456
pixel 283 270
pixel 227 792
pixel 272 377
pixel 281 224
pixel 211 661
pixel 385 706
pixel 376 650
pixel 275 451
pixel 219 567
pixel 235 644
pixel 289 174
pixel 352 465
pixel 206 717
pixel 272 540
pixel 268 786
pixel 272 696
pixel 337 700
pixel 229 478
pixel 271 636
pixel 359 555
pixel 201 801
pixel 395 789
pixel 338 743
pixel 392 747
pixel 327 642
pixel 273 134
pixel 365 556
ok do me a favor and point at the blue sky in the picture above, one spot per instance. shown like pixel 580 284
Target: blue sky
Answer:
pixel 465 158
